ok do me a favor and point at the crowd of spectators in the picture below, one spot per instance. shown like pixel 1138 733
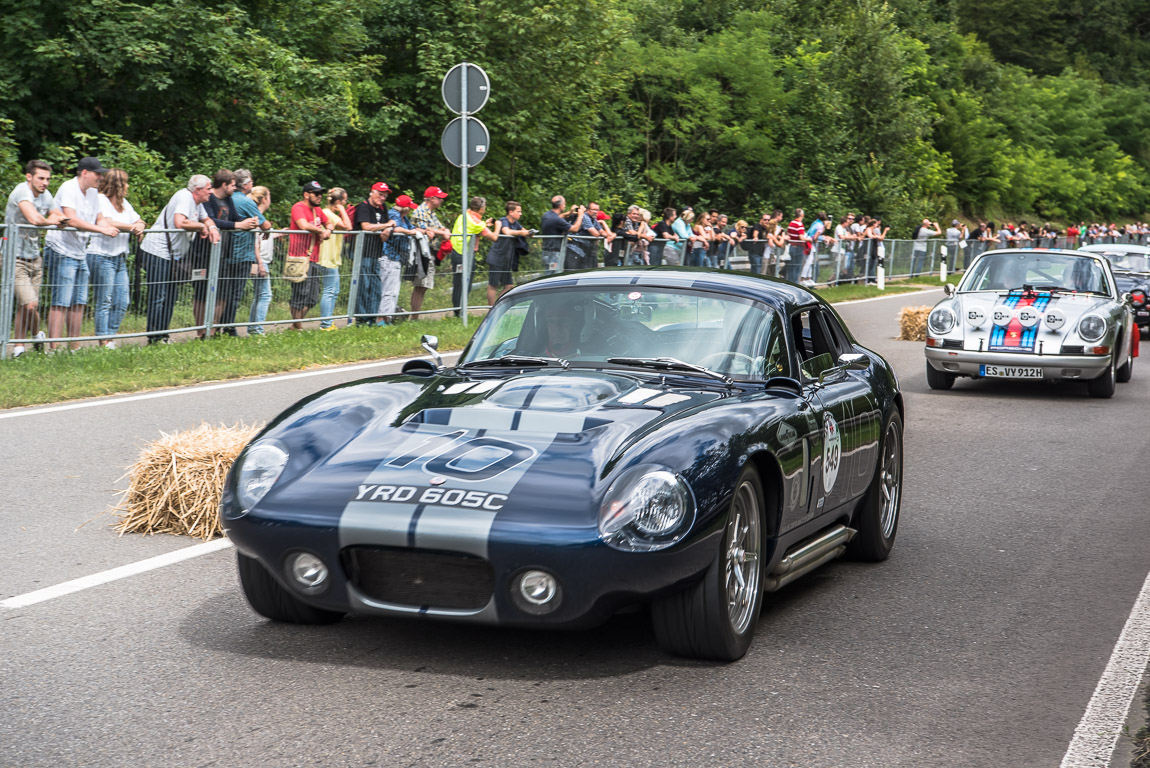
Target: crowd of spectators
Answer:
pixel 86 251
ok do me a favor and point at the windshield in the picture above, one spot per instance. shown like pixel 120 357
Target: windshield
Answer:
pixel 1130 262
pixel 732 336
pixel 1038 269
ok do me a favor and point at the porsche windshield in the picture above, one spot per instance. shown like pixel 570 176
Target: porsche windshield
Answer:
pixel 1039 270
pixel 727 335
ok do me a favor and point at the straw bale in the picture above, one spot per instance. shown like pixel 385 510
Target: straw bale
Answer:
pixel 175 485
pixel 912 323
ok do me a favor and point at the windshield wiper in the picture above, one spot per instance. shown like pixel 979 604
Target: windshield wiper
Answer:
pixel 669 364
pixel 516 361
pixel 1055 289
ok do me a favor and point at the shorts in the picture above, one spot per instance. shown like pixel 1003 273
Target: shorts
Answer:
pixel 305 293
pixel 29 277
pixel 67 278
pixel 428 280
pixel 499 276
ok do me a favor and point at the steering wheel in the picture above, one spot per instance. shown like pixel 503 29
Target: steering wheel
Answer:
pixel 728 353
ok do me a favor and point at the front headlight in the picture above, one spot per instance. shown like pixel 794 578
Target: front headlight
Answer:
pixel 941 320
pixel 1092 327
pixel 260 466
pixel 646 508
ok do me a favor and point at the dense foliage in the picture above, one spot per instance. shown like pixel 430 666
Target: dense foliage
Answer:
pixel 901 108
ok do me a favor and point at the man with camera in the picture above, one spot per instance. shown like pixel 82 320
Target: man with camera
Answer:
pixel 921 235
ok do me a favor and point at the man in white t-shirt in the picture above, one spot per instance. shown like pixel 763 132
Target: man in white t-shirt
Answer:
pixel 166 245
pixel 65 252
pixel 31 205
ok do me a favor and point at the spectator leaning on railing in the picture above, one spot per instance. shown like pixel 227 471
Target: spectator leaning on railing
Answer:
pixel 394 255
pixel 425 218
pixel 371 216
pixel 111 254
pixel 331 255
pixel 164 252
pixel 240 262
pixel 503 256
pixel 265 253
pixel 222 210
pixel 477 227
pixel 65 252
pixel 307 215
pixel 796 246
pixel 664 236
pixel 31 205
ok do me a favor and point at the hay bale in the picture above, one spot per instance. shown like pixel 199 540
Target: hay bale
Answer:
pixel 912 323
pixel 175 485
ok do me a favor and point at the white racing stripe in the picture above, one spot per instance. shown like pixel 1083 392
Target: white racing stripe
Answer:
pixel 1098 731
pixel 114 574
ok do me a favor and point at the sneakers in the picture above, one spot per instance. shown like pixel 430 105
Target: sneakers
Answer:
pixel 380 323
pixel 39 345
pixel 110 345
pixel 329 328
pixel 17 351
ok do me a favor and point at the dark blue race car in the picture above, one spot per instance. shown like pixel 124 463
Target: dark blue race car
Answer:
pixel 676 438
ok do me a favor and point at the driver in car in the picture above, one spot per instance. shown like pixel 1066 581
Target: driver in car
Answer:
pixel 563 323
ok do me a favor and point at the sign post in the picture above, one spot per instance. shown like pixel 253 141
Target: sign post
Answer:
pixel 465 90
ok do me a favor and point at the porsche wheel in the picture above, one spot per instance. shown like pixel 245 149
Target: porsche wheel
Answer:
pixel 876 518
pixel 269 599
pixel 938 379
pixel 716 618
pixel 1104 385
pixel 1125 373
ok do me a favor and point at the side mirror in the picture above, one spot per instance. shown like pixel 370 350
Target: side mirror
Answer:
pixel 1128 299
pixel 948 289
pixel 431 345
pixel 854 361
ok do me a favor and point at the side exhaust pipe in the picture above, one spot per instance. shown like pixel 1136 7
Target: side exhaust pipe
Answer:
pixel 808 555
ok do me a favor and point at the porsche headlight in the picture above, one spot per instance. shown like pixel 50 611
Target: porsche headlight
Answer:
pixel 260 467
pixel 646 508
pixel 1092 327
pixel 941 320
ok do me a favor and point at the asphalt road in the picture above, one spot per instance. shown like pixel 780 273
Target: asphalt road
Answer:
pixel 1022 547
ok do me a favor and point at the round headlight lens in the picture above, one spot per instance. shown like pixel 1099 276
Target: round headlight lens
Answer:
pixel 647 508
pixel 941 320
pixel 261 465
pixel 1092 327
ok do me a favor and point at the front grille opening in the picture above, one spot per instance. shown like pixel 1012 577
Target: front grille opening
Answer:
pixel 420 578
pixel 1072 349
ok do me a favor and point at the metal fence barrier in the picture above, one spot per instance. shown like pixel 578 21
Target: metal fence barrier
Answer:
pixel 220 295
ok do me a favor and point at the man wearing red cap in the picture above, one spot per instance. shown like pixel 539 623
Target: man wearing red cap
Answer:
pixel 371 216
pixel 395 255
pixel 426 219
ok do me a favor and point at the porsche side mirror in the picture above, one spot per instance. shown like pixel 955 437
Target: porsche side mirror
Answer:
pixel 431 344
pixel 1128 299
pixel 948 289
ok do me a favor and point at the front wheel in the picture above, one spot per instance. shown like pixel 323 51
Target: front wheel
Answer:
pixel 1104 385
pixel 269 599
pixel 877 516
pixel 938 379
pixel 716 618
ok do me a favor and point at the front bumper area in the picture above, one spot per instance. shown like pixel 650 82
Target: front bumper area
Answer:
pixel 1054 367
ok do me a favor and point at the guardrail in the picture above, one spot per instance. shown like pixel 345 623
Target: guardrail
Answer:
pixel 219 297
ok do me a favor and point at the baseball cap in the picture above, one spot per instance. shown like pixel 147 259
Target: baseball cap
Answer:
pixel 403 201
pixel 954 223
pixel 379 186
pixel 434 192
pixel 602 216
pixel 314 186
pixel 90 164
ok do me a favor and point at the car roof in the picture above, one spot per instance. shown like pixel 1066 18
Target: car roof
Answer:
pixel 1116 248
pixel 770 290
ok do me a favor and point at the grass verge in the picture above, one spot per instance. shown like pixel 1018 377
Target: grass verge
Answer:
pixel 37 379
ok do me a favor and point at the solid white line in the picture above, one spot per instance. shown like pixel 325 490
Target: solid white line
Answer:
pixel 1098 731
pixel 903 294
pixel 124 571
pixel 194 389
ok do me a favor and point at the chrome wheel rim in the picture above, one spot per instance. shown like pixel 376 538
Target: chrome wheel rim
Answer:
pixel 890 481
pixel 742 544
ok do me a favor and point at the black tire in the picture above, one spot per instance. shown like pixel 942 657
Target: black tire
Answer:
pixel 1124 374
pixel 939 379
pixel 1104 385
pixel 876 518
pixel 269 599
pixel 698 622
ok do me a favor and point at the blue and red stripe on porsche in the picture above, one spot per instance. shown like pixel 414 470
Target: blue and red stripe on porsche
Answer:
pixel 1013 337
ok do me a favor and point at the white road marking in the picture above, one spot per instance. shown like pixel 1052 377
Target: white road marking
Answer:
pixel 903 294
pixel 114 574
pixel 1098 731
pixel 194 389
